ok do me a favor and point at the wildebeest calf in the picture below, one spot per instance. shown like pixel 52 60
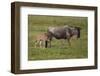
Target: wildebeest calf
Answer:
pixel 41 40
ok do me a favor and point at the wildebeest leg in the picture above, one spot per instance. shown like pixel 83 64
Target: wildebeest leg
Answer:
pixel 62 43
pixel 50 39
pixel 50 44
pixel 40 44
pixel 69 42
pixel 36 44
pixel 46 44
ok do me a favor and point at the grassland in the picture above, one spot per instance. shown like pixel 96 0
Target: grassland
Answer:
pixel 39 24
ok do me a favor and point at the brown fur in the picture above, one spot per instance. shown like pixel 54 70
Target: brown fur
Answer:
pixel 41 40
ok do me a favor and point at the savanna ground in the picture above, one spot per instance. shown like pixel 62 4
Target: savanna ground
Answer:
pixel 38 24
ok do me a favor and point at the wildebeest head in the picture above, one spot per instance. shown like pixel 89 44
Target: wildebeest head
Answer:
pixel 78 31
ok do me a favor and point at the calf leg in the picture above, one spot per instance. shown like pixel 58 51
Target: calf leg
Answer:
pixel 46 44
pixel 36 44
pixel 40 44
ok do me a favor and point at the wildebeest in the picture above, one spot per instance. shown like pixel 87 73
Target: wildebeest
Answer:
pixel 41 40
pixel 64 32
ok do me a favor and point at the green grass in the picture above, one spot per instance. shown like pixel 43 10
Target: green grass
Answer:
pixel 39 24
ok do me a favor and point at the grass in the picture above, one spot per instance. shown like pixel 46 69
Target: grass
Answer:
pixel 39 24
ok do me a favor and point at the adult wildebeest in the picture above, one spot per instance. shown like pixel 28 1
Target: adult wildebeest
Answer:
pixel 64 32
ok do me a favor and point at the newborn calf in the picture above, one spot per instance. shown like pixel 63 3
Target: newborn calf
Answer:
pixel 41 40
